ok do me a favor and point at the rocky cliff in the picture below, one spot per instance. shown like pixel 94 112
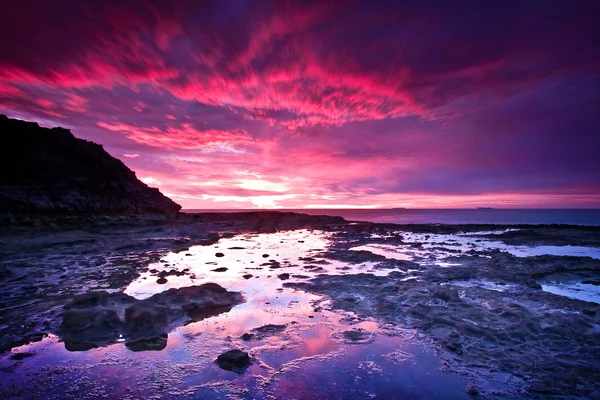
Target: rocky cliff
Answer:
pixel 50 170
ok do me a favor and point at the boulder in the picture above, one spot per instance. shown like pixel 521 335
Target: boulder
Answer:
pixel 145 319
pixel 98 318
pixel 95 323
pixel 234 360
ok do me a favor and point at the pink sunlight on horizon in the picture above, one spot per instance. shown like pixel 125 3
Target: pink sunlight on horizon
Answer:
pixel 283 104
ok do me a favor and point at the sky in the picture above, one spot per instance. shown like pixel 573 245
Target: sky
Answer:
pixel 280 104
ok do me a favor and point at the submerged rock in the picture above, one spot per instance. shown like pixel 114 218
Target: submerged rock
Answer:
pixel 234 360
pixel 264 331
pixel 358 336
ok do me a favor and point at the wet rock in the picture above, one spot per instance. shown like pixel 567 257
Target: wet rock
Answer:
pixel 284 276
pixel 267 330
pixel 445 293
pixel 95 319
pixel 234 360
pixel 247 336
pixel 358 336
pixel 472 390
pixel 453 346
pixel 95 323
pixel 161 281
pixel 501 330
pixel 146 319
pixel 209 295
pixel 172 272
pixel 22 356
pixel 76 345
pixel 154 343
pixel 100 298
pixel 219 255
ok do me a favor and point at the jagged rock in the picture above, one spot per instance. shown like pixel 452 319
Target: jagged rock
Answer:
pixel 50 170
pixel 98 318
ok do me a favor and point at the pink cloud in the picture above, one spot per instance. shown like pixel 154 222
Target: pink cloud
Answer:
pixel 372 105
pixel 184 137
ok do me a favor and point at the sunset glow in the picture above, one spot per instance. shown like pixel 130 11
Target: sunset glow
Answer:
pixel 330 105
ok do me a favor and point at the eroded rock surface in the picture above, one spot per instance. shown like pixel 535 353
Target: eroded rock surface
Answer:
pixel 99 318
pixel 486 311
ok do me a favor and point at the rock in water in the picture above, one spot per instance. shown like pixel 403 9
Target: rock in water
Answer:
pixel 100 318
pixel 234 360
pixel 50 170
pixel 94 323
pixel 145 319
pixel 155 343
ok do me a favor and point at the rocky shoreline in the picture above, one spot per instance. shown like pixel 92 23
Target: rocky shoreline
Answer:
pixel 46 260
pixel 466 290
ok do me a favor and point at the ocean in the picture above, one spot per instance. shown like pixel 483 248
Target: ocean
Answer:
pixel 452 216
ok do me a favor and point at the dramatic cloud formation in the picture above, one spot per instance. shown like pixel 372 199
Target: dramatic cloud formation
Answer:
pixel 325 104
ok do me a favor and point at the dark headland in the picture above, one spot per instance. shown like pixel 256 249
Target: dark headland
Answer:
pixel 51 171
pixel 80 234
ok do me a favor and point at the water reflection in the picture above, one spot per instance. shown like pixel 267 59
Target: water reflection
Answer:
pixel 580 285
pixel 432 249
pixel 308 354
pixel 298 347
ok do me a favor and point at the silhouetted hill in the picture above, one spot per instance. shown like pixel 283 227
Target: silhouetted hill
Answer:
pixel 50 170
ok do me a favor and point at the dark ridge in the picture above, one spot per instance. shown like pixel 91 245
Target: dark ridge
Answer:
pixel 46 170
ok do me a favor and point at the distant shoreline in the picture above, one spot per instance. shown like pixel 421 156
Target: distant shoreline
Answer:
pixel 456 216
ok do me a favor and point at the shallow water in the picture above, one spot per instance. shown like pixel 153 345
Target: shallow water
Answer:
pixel 310 357
pixel 433 249
pixel 580 286
pixel 430 248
